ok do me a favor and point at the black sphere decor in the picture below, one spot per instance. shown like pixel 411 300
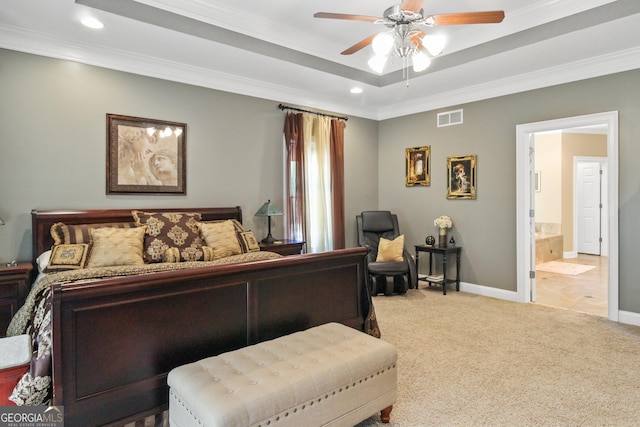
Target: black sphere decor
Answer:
pixel 430 240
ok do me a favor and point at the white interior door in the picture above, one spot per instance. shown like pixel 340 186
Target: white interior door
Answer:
pixel 588 206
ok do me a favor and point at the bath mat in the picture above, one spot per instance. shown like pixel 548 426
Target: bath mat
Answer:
pixel 564 267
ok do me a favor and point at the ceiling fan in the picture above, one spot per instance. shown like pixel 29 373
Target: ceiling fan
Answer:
pixel 409 40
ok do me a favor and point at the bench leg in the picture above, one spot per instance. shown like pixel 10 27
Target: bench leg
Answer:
pixel 385 414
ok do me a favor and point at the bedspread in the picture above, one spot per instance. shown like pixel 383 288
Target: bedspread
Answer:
pixel 34 317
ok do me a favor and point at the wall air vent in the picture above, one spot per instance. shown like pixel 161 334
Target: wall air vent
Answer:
pixel 450 118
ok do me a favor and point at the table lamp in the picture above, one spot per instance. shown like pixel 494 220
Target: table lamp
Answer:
pixel 269 210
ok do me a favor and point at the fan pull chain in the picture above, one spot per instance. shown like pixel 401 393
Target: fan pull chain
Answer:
pixel 405 70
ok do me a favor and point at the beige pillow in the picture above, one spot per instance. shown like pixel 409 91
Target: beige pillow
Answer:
pixel 116 246
pixel 390 250
pixel 221 236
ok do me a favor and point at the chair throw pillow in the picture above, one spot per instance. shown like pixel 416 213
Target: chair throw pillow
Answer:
pixel 391 250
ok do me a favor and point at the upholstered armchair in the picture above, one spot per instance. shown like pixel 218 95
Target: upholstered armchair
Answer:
pixel 385 274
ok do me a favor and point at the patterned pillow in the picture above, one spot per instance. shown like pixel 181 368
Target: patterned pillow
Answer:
pixel 170 230
pixel 248 241
pixel 64 234
pixel 116 246
pixel 67 257
pixel 222 237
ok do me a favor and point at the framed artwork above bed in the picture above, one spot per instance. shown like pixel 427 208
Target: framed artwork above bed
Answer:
pixel 145 156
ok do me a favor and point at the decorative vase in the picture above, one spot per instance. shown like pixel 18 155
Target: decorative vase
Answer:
pixel 442 237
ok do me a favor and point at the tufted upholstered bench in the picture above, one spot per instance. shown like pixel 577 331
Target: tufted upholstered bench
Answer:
pixel 327 375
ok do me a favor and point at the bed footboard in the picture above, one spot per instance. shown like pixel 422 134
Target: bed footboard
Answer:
pixel 116 339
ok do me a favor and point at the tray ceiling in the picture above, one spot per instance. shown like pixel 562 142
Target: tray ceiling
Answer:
pixel 277 50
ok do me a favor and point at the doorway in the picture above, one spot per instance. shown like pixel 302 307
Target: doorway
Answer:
pixel 526 185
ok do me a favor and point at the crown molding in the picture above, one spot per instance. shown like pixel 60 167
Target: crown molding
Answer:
pixel 45 45
pixel 611 63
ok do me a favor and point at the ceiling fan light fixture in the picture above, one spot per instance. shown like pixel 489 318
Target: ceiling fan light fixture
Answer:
pixel 383 43
pixel 420 62
pixel 434 43
pixel 377 63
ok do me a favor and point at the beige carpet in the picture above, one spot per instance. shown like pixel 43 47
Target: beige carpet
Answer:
pixel 564 267
pixel 467 360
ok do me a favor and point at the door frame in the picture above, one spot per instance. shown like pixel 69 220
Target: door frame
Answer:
pixel 525 149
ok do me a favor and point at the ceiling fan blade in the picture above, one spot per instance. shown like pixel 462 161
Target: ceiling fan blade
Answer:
pixel 361 44
pixel 345 16
pixel 413 5
pixel 492 17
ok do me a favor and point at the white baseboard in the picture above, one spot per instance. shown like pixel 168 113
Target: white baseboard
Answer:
pixel 626 317
pixel 487 291
pixel 629 318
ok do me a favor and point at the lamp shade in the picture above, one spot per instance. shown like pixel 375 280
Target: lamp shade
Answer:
pixel 382 43
pixel 269 209
pixel 434 43
pixel 377 63
pixel 420 61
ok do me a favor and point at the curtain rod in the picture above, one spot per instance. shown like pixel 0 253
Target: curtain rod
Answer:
pixel 286 107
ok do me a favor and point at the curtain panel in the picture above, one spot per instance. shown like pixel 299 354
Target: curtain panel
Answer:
pixel 294 179
pixel 315 181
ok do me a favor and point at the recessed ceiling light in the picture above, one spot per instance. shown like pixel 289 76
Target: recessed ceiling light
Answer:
pixel 92 23
pixel 356 90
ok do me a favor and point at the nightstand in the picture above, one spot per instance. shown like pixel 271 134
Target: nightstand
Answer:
pixel 13 290
pixel 283 247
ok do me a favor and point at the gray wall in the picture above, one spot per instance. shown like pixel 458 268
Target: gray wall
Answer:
pixel 52 117
pixel 486 227
pixel 53 146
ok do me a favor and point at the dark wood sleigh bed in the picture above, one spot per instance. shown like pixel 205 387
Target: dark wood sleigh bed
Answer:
pixel 115 339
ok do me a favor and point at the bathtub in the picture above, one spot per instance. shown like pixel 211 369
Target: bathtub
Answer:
pixel 549 245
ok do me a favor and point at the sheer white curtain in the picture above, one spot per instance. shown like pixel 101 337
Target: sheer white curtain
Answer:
pixel 318 203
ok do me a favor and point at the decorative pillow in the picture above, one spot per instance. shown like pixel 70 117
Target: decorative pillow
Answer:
pixel 67 257
pixel 248 241
pixel 64 234
pixel 171 255
pixel 221 236
pixel 116 246
pixel 209 253
pixel 171 230
pixel 390 250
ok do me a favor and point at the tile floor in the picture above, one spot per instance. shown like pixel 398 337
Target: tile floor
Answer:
pixel 586 292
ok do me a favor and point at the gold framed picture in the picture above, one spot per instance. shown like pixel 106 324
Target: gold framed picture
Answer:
pixel 461 177
pixel 418 166
pixel 145 156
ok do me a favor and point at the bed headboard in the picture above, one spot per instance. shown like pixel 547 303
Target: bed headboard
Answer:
pixel 42 220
